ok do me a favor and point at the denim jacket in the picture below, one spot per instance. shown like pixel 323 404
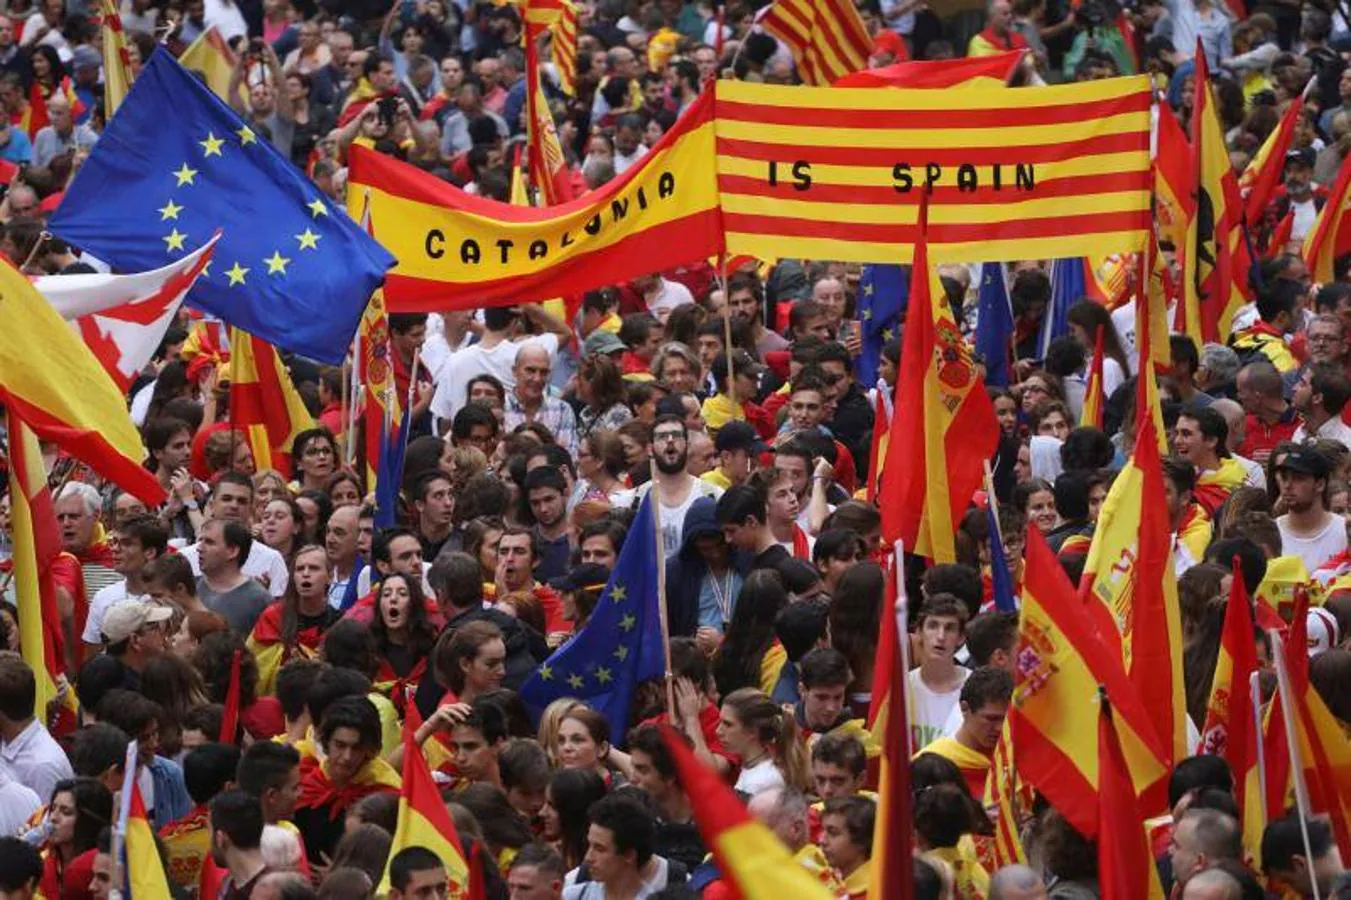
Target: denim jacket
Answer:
pixel 171 793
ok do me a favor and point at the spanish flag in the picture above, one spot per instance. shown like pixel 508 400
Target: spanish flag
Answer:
pixel 229 722
pixel 423 818
pixel 1125 867
pixel 750 858
pixel 117 75
pixel 37 545
pixel 943 429
pixel 145 871
pixel 1174 181
pixel 1054 714
pixel 1229 729
pixel 1263 173
pixel 1331 234
pixel 211 57
pixel 892 875
pixel 548 167
pixel 1094 401
pixel 967 71
pixel 263 400
pixel 827 37
pixel 63 394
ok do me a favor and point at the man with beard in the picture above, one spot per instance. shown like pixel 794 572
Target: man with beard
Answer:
pixel 746 301
pixel 1307 529
pixel 236 832
pixel 676 488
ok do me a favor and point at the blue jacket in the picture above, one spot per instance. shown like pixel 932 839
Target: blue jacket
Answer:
pixel 171 793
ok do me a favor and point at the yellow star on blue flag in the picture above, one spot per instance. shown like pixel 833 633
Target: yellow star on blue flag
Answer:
pixel 309 270
pixel 620 645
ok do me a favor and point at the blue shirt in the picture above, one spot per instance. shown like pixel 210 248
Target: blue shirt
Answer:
pixel 18 149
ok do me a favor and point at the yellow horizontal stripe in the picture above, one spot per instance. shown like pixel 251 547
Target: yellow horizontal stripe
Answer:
pixel 757 863
pixel 797 97
pixel 772 247
pixel 922 138
pixel 823 173
pixel 908 213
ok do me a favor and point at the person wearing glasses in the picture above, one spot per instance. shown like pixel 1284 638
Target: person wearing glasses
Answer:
pixel 676 489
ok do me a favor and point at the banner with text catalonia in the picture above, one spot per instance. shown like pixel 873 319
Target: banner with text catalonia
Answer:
pixel 460 250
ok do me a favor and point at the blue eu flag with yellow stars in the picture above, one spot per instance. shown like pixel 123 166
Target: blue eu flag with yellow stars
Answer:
pixel 174 165
pixel 883 291
pixel 620 645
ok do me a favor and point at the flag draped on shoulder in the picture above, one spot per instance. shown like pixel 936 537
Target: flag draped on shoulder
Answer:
pixel 1060 664
pixel 827 37
pixel 264 400
pixel 62 392
pixel 943 431
pixel 123 318
pixel 967 71
pixel 620 644
pixel 750 858
pixel 290 268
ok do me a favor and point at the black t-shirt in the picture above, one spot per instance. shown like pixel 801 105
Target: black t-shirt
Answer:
pixel 770 558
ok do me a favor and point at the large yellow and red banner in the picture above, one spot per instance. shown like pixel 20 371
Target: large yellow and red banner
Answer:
pixel 773 170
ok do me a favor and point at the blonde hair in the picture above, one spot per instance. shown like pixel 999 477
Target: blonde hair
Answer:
pixel 776 730
pixel 551 721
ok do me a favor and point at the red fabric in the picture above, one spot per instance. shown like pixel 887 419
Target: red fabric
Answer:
pixel 1261 438
pixel 762 421
pixel 363 610
pixel 331 418
pixel 318 792
pixel 631 363
pixel 801 547
pixel 70 882
pixel 197 462
pixel 776 401
pixel 777 362
pixel 1011 41
pixel 888 41
pixel 263 720
pixel 229 723
pixel 708 724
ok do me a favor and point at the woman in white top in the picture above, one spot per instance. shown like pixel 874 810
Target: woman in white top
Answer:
pixel 757 729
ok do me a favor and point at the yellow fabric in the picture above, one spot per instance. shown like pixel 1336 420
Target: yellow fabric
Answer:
pixel 145 873
pixel 389 722
pixel 771 666
pixel 753 861
pixel 1284 575
pixel 859 728
pixel 212 57
pixel 1196 535
pixel 857 882
pixel 187 843
pixel 960 754
pixel 715 477
pixel 660 47
pixel 720 409
pixel 117 75
pixel 813 860
pixel 611 323
pixel 28 483
pixel 970 881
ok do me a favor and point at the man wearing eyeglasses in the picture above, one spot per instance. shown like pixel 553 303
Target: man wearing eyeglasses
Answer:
pixel 676 488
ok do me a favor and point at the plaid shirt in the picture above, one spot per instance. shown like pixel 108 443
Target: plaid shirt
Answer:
pixel 553 414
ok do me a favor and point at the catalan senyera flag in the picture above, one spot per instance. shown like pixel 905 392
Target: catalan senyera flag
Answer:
pixel 64 394
pixel 458 251
pixel 264 401
pixel 423 818
pixel 1001 793
pixel 1331 233
pixel 827 37
pixel 144 872
pixel 1125 866
pixel 966 71
pixel 1208 264
pixel 37 544
pixel 1263 173
pixel 1174 180
pixel 892 874
pixel 836 173
pixel 211 56
pixel 1129 584
pixel 117 75
pixel 1054 714
pixel 1094 401
pixel 750 858
pixel 559 19
pixel 943 431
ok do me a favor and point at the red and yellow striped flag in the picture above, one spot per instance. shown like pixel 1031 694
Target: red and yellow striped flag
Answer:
pixel 892 875
pixel 1094 401
pixel 117 75
pixel 559 19
pixel 750 858
pixel 212 56
pixel 1331 233
pixel 37 544
pixel 986 71
pixel 264 401
pixel 63 393
pixel 1125 867
pixel 145 870
pixel 548 167
pixel 423 818
pixel 1263 173
pixel 1208 260
pixel 827 37
pixel 1001 792
pixel 836 173
pixel 1061 664
pixel 943 429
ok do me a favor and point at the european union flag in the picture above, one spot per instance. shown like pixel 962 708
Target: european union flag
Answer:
pixel 994 324
pixel 389 471
pixel 1068 287
pixel 883 291
pixel 620 645
pixel 176 164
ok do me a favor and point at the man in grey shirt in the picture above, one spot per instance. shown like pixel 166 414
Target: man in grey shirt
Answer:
pixel 222 546
pixel 63 135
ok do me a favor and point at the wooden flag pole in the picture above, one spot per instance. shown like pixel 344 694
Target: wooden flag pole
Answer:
pixel 727 327
pixel 654 497
pixel 1286 693
pixel 902 634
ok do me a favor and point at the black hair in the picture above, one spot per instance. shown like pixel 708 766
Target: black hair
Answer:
pixel 240 816
pixel 265 766
pixel 800 626
pixel 333 684
pixel 409 860
pixel 632 825
pixel 989 632
pixel 1252 561
pixel 988 684
pixel 859 814
pixel 470 416
pixel 356 713
pixel 824 667
pixel 98 747
pixel 20 865
pixel 1071 495
pixel 741 502
pixel 294 680
pixel 961 581
pixel 208 769
pixel 1283 840
pixel 1196 772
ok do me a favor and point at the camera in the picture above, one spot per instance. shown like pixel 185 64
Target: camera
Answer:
pixel 388 107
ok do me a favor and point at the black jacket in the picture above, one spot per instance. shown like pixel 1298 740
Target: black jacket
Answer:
pixel 526 649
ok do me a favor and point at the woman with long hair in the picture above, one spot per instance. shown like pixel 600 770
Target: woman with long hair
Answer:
pixel 177 687
pixel 280 526
pixel 343 489
pixel 505 831
pixel 600 463
pixel 268 485
pixel 315 508
pixel 564 820
pixel 470 661
pixel 294 627
pixel 1086 319
pixel 480 541
pixel 261 717
pixel 314 459
pixel 79 809
pixel 750 655
pixel 404 637
pixel 854 611
pixel 765 736
pixel 549 723
pixel 600 386
pixel 584 743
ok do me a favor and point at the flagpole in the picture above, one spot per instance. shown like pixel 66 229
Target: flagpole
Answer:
pixel 412 384
pixel 654 498
pixel 727 325
pixel 353 401
pixel 902 633
pixel 1255 693
pixel 119 829
pixel 990 498
pixel 1286 693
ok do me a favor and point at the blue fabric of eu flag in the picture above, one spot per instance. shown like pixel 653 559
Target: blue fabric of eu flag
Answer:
pixel 883 291
pixel 994 324
pixel 174 165
pixel 1068 287
pixel 620 645
pixel 1001 579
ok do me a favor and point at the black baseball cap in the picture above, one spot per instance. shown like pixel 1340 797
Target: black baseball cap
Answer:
pixel 1306 461
pixel 586 577
pixel 737 435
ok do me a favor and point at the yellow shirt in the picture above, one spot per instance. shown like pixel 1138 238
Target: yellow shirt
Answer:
pixel 970 880
pixel 714 476
pixel 813 860
pixel 857 882
pixel 720 409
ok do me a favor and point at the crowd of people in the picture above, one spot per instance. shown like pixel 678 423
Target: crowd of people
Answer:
pixel 736 403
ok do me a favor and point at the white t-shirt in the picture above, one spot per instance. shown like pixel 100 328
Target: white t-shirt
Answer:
pixel 262 562
pixel 671 295
pixel 99 606
pixel 760 777
pixel 929 711
pixel 1316 550
pixel 673 517
pixel 452 381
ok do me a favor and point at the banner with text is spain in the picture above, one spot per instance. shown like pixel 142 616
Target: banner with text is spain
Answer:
pixel 836 173
pixel 459 251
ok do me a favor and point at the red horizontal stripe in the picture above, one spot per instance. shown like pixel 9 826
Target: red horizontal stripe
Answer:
pixel 994 117
pixel 693 237
pixel 884 195
pixel 947 156
pixel 939 233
